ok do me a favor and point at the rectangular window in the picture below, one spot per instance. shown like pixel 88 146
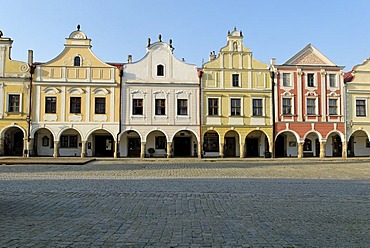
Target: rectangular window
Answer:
pixel 160 142
pixel 257 107
pixel 311 106
pixel 286 79
pixel 332 80
pixel 137 106
pixel 51 105
pixel 360 108
pixel 13 103
pixel 333 107
pixel 235 107
pixel 287 106
pixel 75 105
pixel 99 105
pixel 310 79
pixel 235 80
pixel 182 106
pixel 160 106
pixel 212 106
pixel 68 141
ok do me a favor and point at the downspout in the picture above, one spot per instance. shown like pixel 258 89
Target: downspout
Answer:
pixel 272 74
pixel 119 109
pixel 200 74
pixel 29 114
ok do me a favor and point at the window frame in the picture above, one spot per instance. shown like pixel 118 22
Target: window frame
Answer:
pixel 18 107
pixel 180 107
pixel 235 80
pixel 310 106
pixel 257 111
pixel 364 107
pixel 79 61
pixel 160 109
pixel 100 105
pixel 69 141
pixel 160 142
pixel 75 107
pixel 330 75
pixel 136 107
pixel 234 108
pixel 284 106
pixel 309 81
pixel 50 106
pixel 160 70
pixel 213 107
pixel 331 107
pixel 288 74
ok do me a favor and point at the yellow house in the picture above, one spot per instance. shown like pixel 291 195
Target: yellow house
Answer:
pixel 14 102
pixel 236 111
pixel 358 105
pixel 76 100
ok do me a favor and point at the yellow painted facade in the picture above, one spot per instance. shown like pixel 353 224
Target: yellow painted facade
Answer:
pixel 14 102
pixel 241 87
pixel 86 92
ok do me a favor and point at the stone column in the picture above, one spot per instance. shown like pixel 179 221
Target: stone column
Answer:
pixel 242 148
pixel 30 147
pixel 199 150
pixel 116 144
pixel 221 150
pixel 83 149
pixel 2 152
pixel 169 149
pixel 344 149
pixel 322 149
pixel 142 150
pixel 56 149
pixel 272 149
pixel 300 149
pixel 25 147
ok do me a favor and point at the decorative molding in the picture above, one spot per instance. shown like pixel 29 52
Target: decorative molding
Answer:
pixel 311 93
pixel 100 118
pixel 51 91
pixel 50 117
pixel 161 92
pixel 75 118
pixel 186 92
pixel 76 91
pixel 101 91
pixel 137 92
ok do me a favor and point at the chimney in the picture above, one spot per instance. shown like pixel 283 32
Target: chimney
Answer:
pixel 30 57
pixel 212 56
pixel 129 59
pixel 272 61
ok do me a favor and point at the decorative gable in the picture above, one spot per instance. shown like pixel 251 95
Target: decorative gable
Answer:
pixel 309 56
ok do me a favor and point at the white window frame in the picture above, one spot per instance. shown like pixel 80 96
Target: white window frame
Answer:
pixel 290 79
pixel 263 107
pixel 232 79
pixel 336 81
pixel 354 105
pixel 20 102
pixel 219 106
pixel 316 107
pixel 314 80
pixel 241 106
pixel 338 109
pixel 164 70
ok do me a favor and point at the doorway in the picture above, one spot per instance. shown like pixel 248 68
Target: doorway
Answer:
pixel 104 146
pixel 182 146
pixel 134 147
pixel 252 147
pixel 230 147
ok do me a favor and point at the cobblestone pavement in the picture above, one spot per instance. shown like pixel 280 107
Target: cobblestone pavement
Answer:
pixel 186 204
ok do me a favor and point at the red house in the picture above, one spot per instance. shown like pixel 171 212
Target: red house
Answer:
pixel 309 119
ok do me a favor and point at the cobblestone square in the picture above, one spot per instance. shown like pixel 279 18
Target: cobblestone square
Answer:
pixel 185 204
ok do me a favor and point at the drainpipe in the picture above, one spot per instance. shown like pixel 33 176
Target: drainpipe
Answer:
pixel 272 74
pixel 119 109
pixel 200 74
pixel 29 114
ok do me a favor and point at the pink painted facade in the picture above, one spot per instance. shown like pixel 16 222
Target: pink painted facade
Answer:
pixel 309 120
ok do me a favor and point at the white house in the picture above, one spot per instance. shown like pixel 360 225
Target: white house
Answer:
pixel 160 105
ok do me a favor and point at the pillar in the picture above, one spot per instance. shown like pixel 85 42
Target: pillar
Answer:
pixel 30 147
pixel 272 149
pixel 199 150
pixel 2 152
pixel 221 150
pixel 116 144
pixel 83 149
pixel 322 149
pixel 25 147
pixel 344 149
pixel 142 150
pixel 56 149
pixel 300 149
pixel 242 148
pixel 169 149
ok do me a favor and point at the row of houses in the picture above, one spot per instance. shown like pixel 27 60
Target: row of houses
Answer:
pixel 160 106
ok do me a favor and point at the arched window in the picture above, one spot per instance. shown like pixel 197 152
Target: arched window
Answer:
pixel 160 70
pixel 77 61
pixel 45 141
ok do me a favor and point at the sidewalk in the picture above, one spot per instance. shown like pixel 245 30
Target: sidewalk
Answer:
pixel 45 160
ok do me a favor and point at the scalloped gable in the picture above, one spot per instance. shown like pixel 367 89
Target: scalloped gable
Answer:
pixel 309 56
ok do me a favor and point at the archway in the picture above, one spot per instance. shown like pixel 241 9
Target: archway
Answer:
pixel 70 143
pixel 130 145
pixel 185 144
pixel 311 145
pixel 156 144
pixel 358 144
pixel 256 144
pixel 232 144
pixel 286 145
pixel 333 147
pixel 100 143
pixel 43 144
pixel 211 144
pixel 13 142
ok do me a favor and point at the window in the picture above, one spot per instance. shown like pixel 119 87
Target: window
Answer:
pixel 77 61
pixel 257 107
pixel 160 142
pixel 286 79
pixel 182 106
pixel 212 106
pixel 333 107
pixel 287 106
pixel 311 106
pixel 50 104
pixel 235 80
pixel 13 103
pixel 160 106
pixel 45 141
pixel 211 142
pixel 68 141
pixel 235 107
pixel 332 80
pixel 307 146
pixel 310 79
pixel 137 106
pixel 99 105
pixel 160 70
pixel 75 105
pixel 360 108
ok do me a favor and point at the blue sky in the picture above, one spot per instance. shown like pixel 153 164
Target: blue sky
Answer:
pixel 339 29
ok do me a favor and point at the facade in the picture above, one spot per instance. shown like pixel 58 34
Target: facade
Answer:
pixel 357 102
pixel 237 100
pixel 310 119
pixel 160 103
pixel 15 80
pixel 75 110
